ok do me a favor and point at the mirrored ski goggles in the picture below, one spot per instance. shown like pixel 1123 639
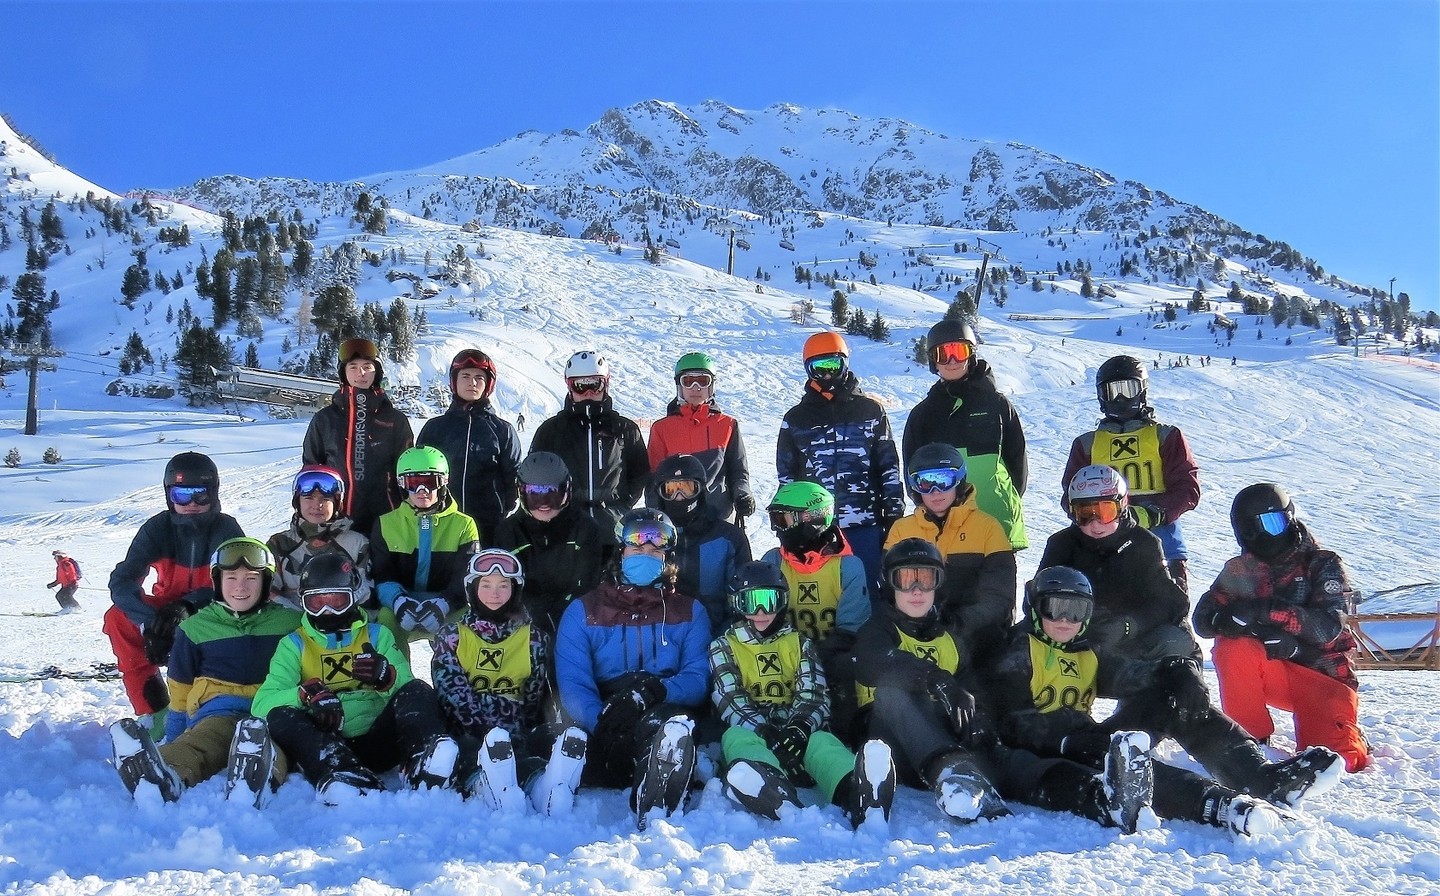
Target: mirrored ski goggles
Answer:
pixel 952 352
pixel 679 489
pixel 545 497
pixel 758 600
pixel 1121 389
pixel 940 479
pixel 1105 510
pixel 248 553
pixel 584 385
pixel 651 532
pixel 327 602
pixel 825 366
pixel 916 578
pixel 503 562
pixel 780 520
pixel 1274 522
pixel 315 481
pixel 1066 607
pixel 696 380
pixel 417 482
pixel 181 495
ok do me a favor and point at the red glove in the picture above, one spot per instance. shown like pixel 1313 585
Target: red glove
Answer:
pixel 323 705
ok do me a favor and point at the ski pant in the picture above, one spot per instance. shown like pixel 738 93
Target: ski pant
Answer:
pixel 865 543
pixel 615 749
pixel 143 683
pixel 203 750
pixel 1325 710
pixel 66 597
pixel 400 732
pixel 826 759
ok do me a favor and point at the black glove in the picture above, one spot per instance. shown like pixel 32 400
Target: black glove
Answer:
pixel 1178 678
pixel 788 743
pixel 159 634
pixel 1107 632
pixel 1148 515
pixel 1279 644
pixel 957 703
pixel 645 688
pixel 425 615
pixel 744 506
pixel 322 704
pixel 372 668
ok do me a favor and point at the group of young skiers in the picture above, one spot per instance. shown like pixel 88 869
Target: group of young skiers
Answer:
pixel 578 639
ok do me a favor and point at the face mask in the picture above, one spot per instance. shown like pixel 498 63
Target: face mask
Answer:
pixel 641 569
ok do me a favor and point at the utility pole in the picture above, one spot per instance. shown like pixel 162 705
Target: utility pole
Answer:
pixel 32 406
pixel 1392 289
pixel 730 258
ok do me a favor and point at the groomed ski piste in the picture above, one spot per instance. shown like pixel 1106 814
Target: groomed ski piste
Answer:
pixel 1353 437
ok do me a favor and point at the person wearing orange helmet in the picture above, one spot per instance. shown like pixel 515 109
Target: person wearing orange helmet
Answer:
pixel 839 437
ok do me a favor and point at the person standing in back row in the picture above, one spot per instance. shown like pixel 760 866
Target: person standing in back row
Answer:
pixel 361 434
pixel 1160 472
pixel 965 409
pixel 694 424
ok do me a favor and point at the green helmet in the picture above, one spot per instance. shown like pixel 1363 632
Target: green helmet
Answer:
pixel 695 361
pixel 423 459
pixel 810 498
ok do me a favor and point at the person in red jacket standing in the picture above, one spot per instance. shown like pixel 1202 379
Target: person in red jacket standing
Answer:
pixel 693 424
pixel 67 579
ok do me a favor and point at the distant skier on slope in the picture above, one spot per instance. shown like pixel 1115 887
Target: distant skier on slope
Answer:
pixel 67 579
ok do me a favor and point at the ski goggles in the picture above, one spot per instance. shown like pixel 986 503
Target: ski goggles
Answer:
pixel 469 361
pixel 757 600
pixel 696 380
pixel 780 520
pixel 1116 389
pixel 418 482
pixel 1105 510
pixel 544 497
pixel 182 495
pixel 656 533
pixel 940 479
pixel 584 385
pixel 1274 522
pixel 679 489
pixel 825 366
pixel 1066 607
pixel 503 562
pixel 327 601
pixel 357 350
pixel 248 553
pixel 916 578
pixel 952 352
pixel 309 482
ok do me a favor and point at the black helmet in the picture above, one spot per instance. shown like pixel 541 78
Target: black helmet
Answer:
pixel 191 469
pixel 330 572
pixel 1263 517
pixel 757 575
pixel 1121 385
pixel 948 330
pixel 1059 592
pixel 913 553
pixel 544 481
pixel 684 502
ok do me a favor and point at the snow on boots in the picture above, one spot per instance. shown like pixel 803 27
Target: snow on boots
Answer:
pixel 662 776
pixel 961 790
pixel 553 791
pixel 760 788
pixel 139 761
pixel 870 787
pixel 249 777
pixel 494 781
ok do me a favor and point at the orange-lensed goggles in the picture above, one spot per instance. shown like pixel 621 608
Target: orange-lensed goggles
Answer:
pixel 1105 510
pixel 952 352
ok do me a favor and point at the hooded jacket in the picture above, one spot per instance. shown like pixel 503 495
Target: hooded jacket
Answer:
pixel 483 451
pixel 972 415
pixel 563 558
pixel 604 452
pixel 475 703
pixel 423 553
pixel 361 434
pixel 304 540
pixel 711 437
pixel 177 547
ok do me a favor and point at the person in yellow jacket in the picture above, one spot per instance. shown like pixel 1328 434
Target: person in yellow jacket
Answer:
pixel 977 598
pixel 341 701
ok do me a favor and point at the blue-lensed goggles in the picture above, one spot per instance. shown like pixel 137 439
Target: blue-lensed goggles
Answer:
pixel 1274 522
pixel 181 495
pixel 311 481
pixel 940 479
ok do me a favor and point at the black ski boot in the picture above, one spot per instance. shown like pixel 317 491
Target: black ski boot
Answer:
pixel 251 771
pixel 961 790
pixel 345 786
pixel 663 773
pixel 1311 772
pixel 1128 781
pixel 434 766
pixel 760 788
pixel 1244 816
pixel 870 786
pixel 137 759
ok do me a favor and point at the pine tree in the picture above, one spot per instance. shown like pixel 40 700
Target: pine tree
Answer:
pixel 402 332
pixel 52 230
pixel 839 309
pixel 858 324
pixel 32 310
pixel 334 308
pixel 879 329
pixel 200 349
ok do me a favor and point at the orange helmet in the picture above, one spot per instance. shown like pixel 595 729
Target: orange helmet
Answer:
pixel 825 343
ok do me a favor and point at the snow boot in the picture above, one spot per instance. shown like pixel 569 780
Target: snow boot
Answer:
pixel 1128 781
pixel 1245 816
pixel 663 773
pixel 138 760
pixel 434 765
pixel 344 786
pixel 961 790
pixel 870 787
pixel 1308 773
pixel 760 788
pixel 250 774
pixel 553 791
pixel 494 781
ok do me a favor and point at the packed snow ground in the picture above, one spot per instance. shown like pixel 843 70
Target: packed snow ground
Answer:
pixel 1355 440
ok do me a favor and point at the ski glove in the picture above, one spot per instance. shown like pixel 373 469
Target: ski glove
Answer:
pixel 789 746
pixel 1148 515
pixel 645 688
pixel 1178 678
pixel 372 668
pixel 744 506
pixel 1279 644
pixel 322 704
pixel 159 634
pixel 426 614
pixel 957 703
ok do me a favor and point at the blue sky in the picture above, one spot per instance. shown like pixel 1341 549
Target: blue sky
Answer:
pixel 1315 122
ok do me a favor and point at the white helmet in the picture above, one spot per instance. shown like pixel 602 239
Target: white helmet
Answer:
pixel 588 363
pixel 1097 482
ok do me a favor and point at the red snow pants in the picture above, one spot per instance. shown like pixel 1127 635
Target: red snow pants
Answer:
pixel 129 647
pixel 1324 710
